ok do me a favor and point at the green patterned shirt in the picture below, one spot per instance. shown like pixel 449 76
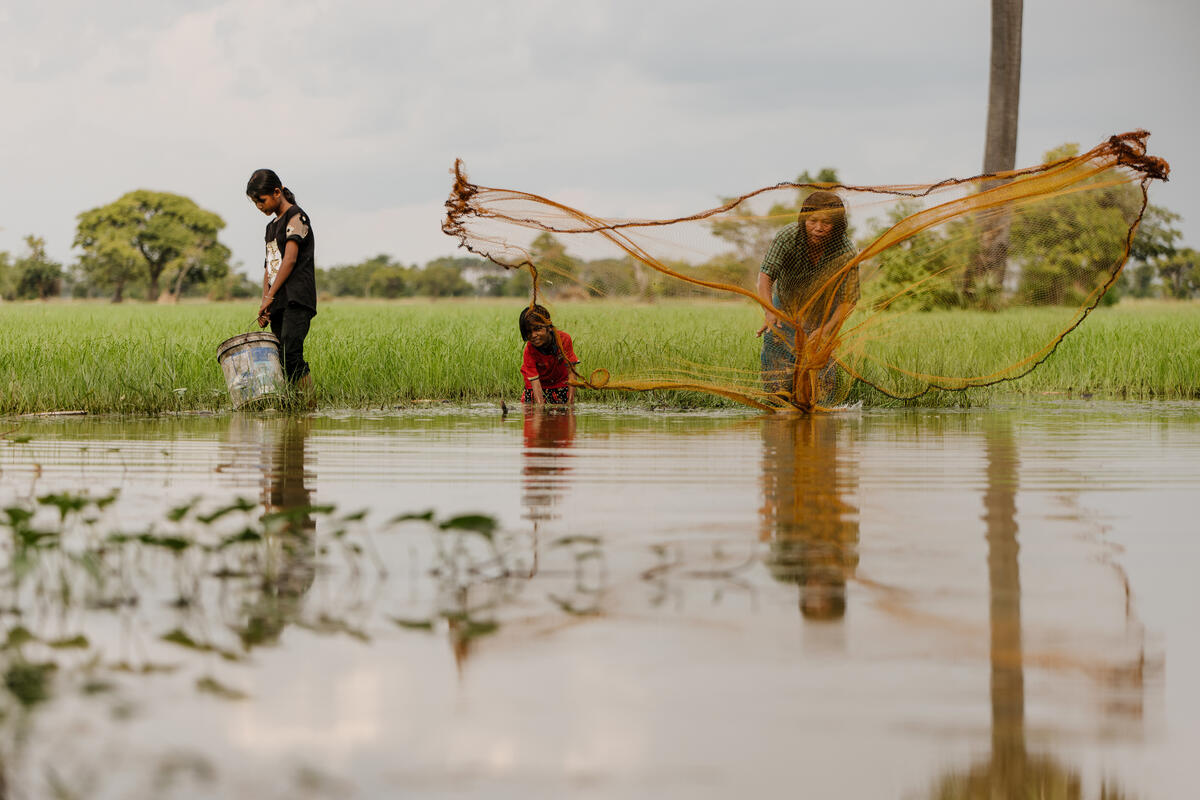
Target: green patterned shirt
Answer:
pixel 796 277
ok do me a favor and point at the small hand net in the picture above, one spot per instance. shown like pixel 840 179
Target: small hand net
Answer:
pixel 891 298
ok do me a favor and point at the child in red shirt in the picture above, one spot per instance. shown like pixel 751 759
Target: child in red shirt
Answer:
pixel 547 360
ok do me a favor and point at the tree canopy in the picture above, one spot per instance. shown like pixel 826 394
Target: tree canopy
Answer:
pixel 145 236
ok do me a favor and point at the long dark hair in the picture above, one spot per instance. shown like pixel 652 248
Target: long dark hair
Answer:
pixel 265 181
pixel 531 315
pixel 535 314
pixel 825 201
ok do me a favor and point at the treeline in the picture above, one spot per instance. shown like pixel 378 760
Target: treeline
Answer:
pixel 160 246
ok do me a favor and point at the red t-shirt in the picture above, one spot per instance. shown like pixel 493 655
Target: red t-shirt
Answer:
pixel 553 371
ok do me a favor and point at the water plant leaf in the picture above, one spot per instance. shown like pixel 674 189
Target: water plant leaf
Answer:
pixel 423 516
pixel 180 637
pixel 17 515
pixel 240 504
pixel 98 687
pixel 79 642
pixel 572 609
pixel 28 682
pixel 242 537
pixel 566 541
pixel 466 628
pixel 144 669
pixel 18 636
pixel 478 523
pixel 32 537
pixel 65 502
pixel 179 512
pixel 175 543
pixel 327 624
pixel 413 624
pixel 211 685
pixel 291 519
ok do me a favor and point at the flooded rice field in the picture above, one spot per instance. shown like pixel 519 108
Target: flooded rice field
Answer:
pixel 928 604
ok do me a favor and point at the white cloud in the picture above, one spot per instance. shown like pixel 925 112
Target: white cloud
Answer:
pixel 363 106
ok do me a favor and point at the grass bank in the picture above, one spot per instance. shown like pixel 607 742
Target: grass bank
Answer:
pixel 136 359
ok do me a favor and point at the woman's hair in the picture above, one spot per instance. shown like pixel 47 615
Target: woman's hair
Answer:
pixel 265 181
pixel 825 201
pixel 532 315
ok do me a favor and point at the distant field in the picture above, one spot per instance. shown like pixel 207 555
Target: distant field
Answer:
pixel 138 359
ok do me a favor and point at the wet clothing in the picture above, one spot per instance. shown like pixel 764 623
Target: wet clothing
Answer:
pixel 559 396
pixel 552 365
pixel 290 325
pixel 301 284
pixel 797 279
pixel 295 302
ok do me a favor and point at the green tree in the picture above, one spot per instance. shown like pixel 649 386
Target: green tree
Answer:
pixel 389 281
pixel 8 286
pixel 144 235
pixel 908 271
pixel 441 279
pixel 751 234
pixel 37 277
pixel 350 280
pixel 610 277
pixel 1063 244
pixel 1180 274
pixel 558 273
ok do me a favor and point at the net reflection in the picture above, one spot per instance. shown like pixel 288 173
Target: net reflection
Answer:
pixel 807 520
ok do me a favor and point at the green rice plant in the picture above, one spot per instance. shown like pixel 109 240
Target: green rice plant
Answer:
pixel 147 359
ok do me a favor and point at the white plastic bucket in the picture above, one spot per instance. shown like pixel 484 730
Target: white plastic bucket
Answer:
pixel 250 362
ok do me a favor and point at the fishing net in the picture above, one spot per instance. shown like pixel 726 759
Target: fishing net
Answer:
pixel 905 288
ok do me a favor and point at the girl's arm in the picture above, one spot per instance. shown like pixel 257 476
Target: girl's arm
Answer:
pixel 291 251
pixel 539 397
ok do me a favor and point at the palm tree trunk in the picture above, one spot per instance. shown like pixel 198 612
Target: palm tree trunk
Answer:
pixel 1000 143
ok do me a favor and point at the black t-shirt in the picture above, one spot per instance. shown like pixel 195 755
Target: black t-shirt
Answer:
pixel 301 284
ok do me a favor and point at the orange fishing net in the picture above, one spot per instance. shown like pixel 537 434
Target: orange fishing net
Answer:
pixel 879 284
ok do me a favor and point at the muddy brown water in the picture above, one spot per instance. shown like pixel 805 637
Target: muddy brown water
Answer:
pixel 871 604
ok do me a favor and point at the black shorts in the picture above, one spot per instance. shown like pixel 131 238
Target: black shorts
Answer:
pixel 560 394
pixel 290 325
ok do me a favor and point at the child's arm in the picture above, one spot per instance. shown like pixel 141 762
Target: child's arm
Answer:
pixel 539 397
pixel 291 251
pixel 568 351
pixel 529 371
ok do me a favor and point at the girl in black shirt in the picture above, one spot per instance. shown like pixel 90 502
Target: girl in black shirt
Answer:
pixel 289 300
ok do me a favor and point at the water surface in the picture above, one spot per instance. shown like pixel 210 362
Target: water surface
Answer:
pixel 872 604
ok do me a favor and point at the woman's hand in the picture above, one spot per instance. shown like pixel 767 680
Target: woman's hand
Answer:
pixel 769 321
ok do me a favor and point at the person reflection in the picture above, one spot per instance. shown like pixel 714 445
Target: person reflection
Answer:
pixel 549 433
pixel 290 530
pixel 811 529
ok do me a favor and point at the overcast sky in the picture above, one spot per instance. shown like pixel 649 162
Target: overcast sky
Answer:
pixel 642 108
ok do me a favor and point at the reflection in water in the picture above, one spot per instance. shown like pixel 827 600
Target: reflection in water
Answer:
pixel 290 529
pixel 548 435
pixel 806 517
pixel 1011 771
pixel 478 576
pixel 594 635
